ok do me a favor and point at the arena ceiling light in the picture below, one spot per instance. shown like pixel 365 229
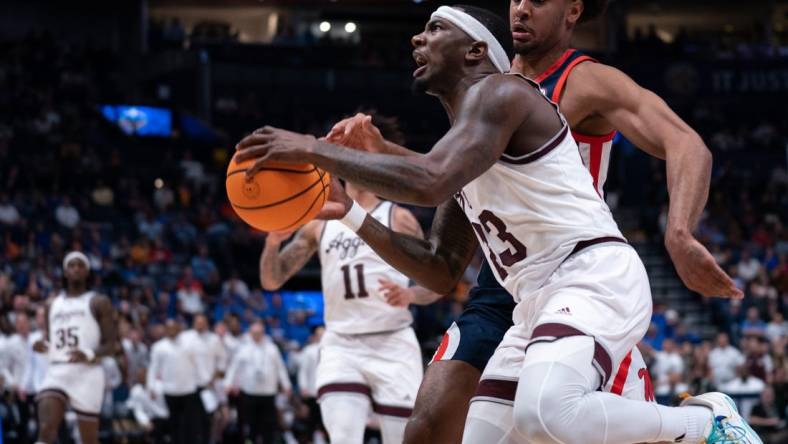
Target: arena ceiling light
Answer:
pixel 325 26
pixel 350 27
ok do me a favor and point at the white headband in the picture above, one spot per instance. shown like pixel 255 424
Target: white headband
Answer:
pixel 476 31
pixel 76 255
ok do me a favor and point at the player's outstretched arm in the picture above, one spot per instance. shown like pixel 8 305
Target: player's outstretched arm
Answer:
pixel 646 120
pixel 277 267
pixel 483 126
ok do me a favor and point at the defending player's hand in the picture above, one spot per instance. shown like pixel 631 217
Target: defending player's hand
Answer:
pixel 338 203
pixel 77 356
pixel 698 269
pixel 395 295
pixel 358 132
pixel 269 143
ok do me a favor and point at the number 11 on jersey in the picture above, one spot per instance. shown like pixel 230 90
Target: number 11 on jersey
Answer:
pixel 362 289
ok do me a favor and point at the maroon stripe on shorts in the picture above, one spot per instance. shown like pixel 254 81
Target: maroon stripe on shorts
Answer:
pixel 85 415
pixel 390 410
pixel 554 331
pixel 497 388
pixel 354 387
pixel 346 387
pixel 53 392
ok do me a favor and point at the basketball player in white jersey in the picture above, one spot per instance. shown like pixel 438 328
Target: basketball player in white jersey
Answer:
pixel 80 330
pixel 370 359
pixel 514 170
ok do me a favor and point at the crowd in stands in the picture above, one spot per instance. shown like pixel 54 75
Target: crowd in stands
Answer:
pixel 166 248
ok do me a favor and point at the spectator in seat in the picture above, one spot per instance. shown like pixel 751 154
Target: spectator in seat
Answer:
pixel 723 360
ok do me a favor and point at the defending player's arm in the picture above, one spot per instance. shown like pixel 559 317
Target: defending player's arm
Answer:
pixel 277 267
pixel 650 124
pixel 101 307
pixel 483 126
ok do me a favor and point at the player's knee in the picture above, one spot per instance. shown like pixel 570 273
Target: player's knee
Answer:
pixel 538 408
pixel 420 428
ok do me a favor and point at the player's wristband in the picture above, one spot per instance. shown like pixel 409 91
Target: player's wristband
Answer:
pixel 355 217
pixel 90 354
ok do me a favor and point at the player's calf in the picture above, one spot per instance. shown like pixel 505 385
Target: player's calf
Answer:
pixel 442 403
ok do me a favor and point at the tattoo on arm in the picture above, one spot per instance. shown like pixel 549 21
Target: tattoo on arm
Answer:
pixel 276 267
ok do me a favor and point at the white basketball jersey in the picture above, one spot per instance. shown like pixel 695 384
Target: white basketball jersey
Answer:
pixel 72 326
pixel 529 212
pixel 350 273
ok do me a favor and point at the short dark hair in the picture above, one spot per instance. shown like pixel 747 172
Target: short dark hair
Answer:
pixel 593 9
pixel 494 23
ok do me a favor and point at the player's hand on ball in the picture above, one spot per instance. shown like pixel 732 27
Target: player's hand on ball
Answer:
pixel 269 143
pixel 77 356
pixel 338 203
pixel 40 346
pixel 395 295
pixel 358 132
pixel 698 269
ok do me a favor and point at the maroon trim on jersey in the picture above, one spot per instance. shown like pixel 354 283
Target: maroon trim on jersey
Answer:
pixel 541 152
pixel 354 387
pixel 555 65
pixel 552 332
pixel 582 245
pixel 497 388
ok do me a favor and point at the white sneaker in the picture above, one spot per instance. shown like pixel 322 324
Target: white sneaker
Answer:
pixel 727 426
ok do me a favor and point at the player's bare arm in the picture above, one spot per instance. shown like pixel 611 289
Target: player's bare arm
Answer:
pixel 650 124
pixel 403 221
pixel 42 345
pixel 102 309
pixel 486 119
pixel 277 267
pixel 437 263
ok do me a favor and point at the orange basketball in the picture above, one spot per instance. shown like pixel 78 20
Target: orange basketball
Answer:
pixel 280 197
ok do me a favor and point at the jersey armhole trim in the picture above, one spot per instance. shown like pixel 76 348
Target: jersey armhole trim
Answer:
pixel 591 139
pixel 554 67
pixel 559 86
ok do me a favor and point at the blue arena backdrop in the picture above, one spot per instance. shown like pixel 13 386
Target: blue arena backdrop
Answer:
pixel 302 311
pixel 139 120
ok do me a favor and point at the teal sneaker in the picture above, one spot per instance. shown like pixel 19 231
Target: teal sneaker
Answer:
pixel 727 425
